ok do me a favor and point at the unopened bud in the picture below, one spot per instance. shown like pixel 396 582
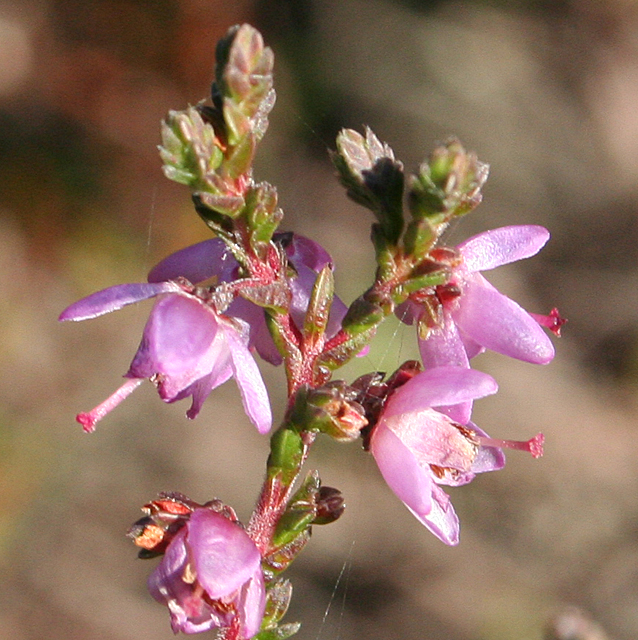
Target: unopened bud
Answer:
pixel 330 505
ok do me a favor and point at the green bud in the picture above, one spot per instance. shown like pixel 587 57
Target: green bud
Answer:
pixel 372 177
pixel 262 213
pixel 448 185
pixel 190 149
pixel 328 409
pixel 244 82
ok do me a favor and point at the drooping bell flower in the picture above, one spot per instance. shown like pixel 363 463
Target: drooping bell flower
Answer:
pixel 187 349
pixel 417 447
pixel 210 577
pixel 473 315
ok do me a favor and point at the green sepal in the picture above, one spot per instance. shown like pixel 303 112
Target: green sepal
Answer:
pixel 220 224
pixel 319 305
pixel 339 355
pixel 275 296
pixel 419 238
pixel 286 454
pixel 281 632
pixel 300 512
pixel 285 347
pixel 280 559
pixel 240 159
pixel 278 596
pixel 224 204
pixel 362 315
pixel 372 177
pixel 432 279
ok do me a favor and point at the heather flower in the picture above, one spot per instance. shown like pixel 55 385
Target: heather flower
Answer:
pixel 213 259
pixel 187 349
pixel 210 577
pixel 473 316
pixel 419 443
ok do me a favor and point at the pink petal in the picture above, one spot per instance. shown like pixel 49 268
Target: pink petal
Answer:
pixel 501 246
pixel 399 468
pixel 196 263
pixel 442 520
pixel 488 458
pixel 433 438
pixel 253 391
pixel 223 554
pixel 114 298
pixel 252 604
pixel 441 386
pixel 260 338
pixel 444 347
pixel 498 323
pixel 180 342
pixel 302 250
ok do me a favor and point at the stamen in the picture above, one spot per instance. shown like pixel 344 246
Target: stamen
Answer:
pixel 90 419
pixel 533 446
pixel 553 321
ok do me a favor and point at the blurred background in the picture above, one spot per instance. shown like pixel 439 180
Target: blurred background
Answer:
pixel 546 91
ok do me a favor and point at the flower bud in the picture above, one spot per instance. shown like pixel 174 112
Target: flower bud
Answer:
pixel 330 505
pixel 373 178
pixel 448 185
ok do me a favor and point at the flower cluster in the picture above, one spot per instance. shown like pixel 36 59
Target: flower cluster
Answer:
pixel 253 292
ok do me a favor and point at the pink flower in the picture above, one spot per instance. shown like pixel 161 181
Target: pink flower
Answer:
pixel 212 258
pixel 419 444
pixel 187 349
pixel 210 577
pixel 475 316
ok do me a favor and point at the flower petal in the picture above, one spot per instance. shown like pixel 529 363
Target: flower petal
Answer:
pixel 444 347
pixel 488 458
pixel 399 468
pixel 302 250
pixel 252 604
pixel 180 343
pixel 493 248
pixel 433 438
pixel 441 386
pixel 251 385
pixel 197 263
pixel 498 323
pixel 189 613
pixel 260 338
pixel 223 554
pixel 442 520
pixel 114 298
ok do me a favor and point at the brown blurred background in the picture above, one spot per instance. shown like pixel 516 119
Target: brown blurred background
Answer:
pixel 546 91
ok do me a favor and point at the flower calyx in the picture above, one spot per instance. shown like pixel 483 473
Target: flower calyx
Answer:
pixel 331 409
pixel 372 393
pixel 311 504
pixel 165 517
